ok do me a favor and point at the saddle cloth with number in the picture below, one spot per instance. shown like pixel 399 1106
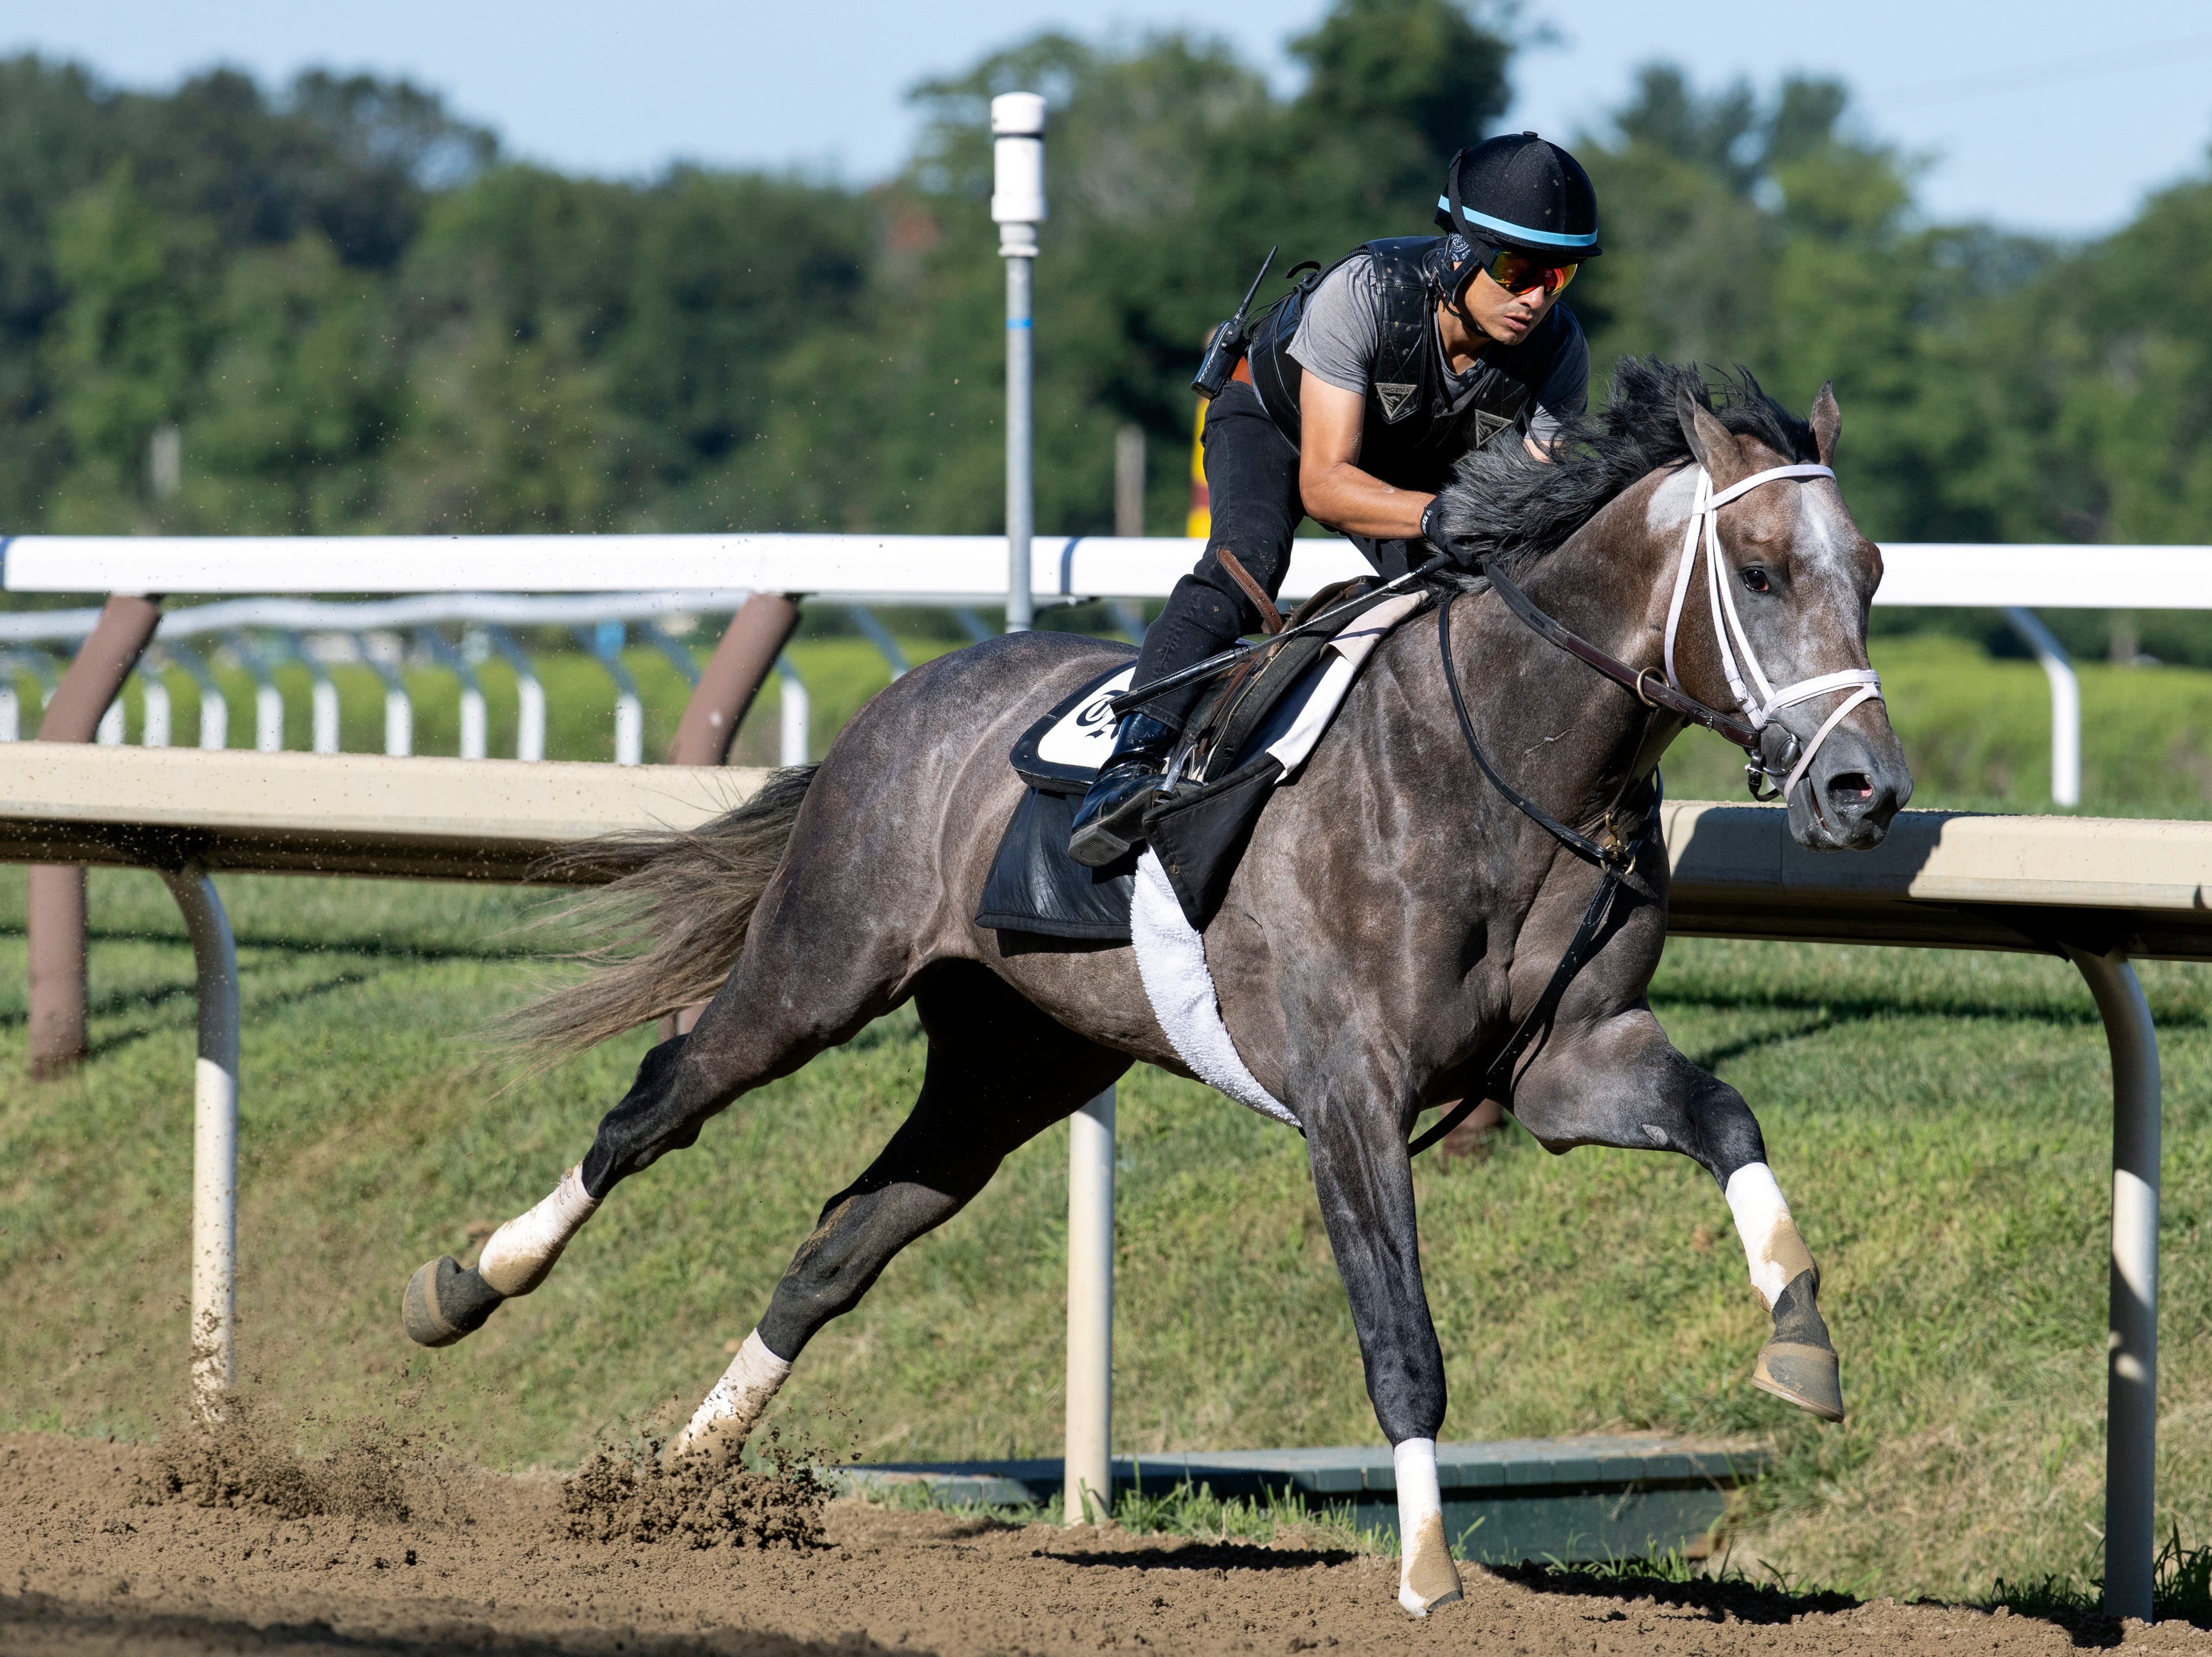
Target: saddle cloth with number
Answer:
pixel 1252 736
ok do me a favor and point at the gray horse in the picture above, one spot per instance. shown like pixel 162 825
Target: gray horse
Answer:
pixel 1393 920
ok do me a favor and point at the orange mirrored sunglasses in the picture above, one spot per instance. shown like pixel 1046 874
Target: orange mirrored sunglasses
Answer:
pixel 1517 273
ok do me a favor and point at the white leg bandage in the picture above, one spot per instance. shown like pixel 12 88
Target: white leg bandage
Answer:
pixel 721 1425
pixel 1772 1246
pixel 1426 1576
pixel 517 1257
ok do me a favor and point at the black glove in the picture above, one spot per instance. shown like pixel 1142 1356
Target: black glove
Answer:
pixel 1439 538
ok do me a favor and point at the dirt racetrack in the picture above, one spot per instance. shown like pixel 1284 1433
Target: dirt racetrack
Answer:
pixel 111 1548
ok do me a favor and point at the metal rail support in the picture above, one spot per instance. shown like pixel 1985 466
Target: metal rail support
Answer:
pixel 322 694
pixel 2065 704
pixel 475 740
pixel 268 699
pixel 530 716
pixel 1088 1497
pixel 678 652
pixel 398 707
pixel 1018 207
pixel 733 676
pixel 629 710
pixel 880 636
pixel 154 702
pixel 215 1140
pixel 215 708
pixel 2132 1375
pixel 795 717
pixel 40 667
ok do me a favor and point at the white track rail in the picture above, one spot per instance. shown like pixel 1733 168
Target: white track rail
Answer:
pixel 447 577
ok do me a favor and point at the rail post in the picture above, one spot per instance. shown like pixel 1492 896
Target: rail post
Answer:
pixel 54 910
pixel 1088 1493
pixel 2131 1365
pixel 1018 208
pixel 795 717
pixel 530 696
pixel 215 1140
pixel 2065 704
pixel 732 677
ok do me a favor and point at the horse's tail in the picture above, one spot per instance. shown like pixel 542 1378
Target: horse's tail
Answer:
pixel 671 907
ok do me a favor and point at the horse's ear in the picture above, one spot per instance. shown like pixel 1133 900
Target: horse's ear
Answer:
pixel 1827 422
pixel 1708 438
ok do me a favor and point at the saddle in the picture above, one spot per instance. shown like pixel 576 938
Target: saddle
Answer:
pixel 1252 730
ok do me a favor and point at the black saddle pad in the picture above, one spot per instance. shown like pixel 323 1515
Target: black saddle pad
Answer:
pixel 1035 886
pixel 1201 829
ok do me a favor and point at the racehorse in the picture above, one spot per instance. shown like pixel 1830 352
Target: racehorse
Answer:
pixel 1398 920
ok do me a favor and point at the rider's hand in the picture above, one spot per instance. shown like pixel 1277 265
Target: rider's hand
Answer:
pixel 1439 538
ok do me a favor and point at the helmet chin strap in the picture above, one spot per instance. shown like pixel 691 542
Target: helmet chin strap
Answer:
pixel 1758 700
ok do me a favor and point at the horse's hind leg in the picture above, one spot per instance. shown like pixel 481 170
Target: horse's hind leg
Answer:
pixel 1623 1083
pixel 754 1031
pixel 1000 1073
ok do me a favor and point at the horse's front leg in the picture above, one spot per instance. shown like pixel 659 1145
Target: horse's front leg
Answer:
pixel 1620 1081
pixel 1364 1181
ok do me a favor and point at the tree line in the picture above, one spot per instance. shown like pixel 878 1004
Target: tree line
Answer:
pixel 340 307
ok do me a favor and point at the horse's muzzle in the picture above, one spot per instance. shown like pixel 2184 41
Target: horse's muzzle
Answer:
pixel 1850 791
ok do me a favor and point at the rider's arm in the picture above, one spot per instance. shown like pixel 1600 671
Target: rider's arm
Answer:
pixel 1336 491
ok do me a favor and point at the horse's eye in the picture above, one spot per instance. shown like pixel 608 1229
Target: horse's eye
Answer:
pixel 1755 578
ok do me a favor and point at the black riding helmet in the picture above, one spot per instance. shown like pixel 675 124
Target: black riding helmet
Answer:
pixel 1523 192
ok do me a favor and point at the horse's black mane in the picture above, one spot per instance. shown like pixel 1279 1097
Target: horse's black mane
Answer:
pixel 1504 503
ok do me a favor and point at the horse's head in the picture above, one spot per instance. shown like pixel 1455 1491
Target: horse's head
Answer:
pixel 1772 618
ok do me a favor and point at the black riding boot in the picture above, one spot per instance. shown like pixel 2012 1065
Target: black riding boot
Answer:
pixel 1111 818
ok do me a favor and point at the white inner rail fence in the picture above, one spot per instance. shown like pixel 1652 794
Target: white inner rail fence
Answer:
pixel 446 577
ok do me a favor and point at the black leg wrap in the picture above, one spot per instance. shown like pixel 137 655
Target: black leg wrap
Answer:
pixel 443 1302
pixel 633 1135
pixel 1799 1363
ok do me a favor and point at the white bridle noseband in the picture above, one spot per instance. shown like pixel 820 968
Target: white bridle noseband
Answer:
pixel 1704 514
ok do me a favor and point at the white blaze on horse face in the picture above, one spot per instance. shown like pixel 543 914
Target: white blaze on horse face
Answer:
pixel 725 1421
pixel 1822 539
pixel 519 1255
pixel 1772 1246
pixel 1427 1576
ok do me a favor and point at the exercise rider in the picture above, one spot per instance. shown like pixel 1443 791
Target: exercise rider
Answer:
pixel 1358 392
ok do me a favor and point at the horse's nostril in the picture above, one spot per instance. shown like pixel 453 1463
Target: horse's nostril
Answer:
pixel 1850 788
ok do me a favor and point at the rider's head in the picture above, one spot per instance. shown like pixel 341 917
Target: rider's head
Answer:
pixel 1523 216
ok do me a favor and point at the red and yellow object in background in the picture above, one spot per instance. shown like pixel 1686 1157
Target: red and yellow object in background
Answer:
pixel 1200 523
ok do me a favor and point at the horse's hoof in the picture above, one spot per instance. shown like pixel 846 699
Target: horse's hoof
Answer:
pixel 1804 1375
pixel 1430 1578
pixel 443 1302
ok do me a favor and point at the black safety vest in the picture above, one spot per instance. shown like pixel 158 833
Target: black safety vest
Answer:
pixel 1412 436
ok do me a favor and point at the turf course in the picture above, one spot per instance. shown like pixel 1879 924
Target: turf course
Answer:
pixel 1939 1120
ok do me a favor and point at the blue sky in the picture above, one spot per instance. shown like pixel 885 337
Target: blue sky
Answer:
pixel 2037 114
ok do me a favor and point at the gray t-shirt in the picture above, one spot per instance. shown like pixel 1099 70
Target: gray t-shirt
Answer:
pixel 1342 329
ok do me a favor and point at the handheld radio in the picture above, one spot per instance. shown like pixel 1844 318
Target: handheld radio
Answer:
pixel 1229 341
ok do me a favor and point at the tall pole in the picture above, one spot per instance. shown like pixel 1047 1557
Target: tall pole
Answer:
pixel 1018 208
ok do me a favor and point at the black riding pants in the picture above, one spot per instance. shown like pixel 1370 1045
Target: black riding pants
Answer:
pixel 1252 487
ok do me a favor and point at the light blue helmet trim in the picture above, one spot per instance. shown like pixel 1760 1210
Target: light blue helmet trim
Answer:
pixel 1548 238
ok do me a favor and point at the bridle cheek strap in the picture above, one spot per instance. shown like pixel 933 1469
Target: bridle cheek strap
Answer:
pixel 1758 699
